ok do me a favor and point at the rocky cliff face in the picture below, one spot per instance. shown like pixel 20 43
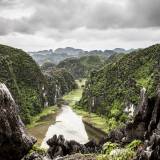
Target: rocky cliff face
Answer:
pixel 14 142
pixel 60 82
pixel 146 126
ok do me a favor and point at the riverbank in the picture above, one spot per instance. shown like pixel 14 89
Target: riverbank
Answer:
pixel 38 119
pixel 93 120
pixel 41 122
pixel 96 126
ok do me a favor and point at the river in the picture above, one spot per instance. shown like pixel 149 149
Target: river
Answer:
pixel 66 123
pixel 69 124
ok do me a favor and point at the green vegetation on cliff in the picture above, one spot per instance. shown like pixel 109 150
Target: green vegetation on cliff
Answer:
pixel 60 82
pixel 31 89
pixel 24 79
pixel 117 85
pixel 81 67
pixel 47 66
pixel 92 119
pixel 112 151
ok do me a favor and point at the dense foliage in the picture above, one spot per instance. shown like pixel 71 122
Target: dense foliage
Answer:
pixel 31 90
pixel 117 85
pixel 24 79
pixel 47 66
pixel 80 67
pixel 59 83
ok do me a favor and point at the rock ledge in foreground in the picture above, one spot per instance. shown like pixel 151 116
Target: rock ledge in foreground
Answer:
pixel 14 142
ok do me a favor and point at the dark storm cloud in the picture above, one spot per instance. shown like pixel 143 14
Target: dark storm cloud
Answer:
pixel 68 15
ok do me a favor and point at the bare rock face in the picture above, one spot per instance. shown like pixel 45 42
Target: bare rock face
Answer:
pixel 14 142
pixel 151 148
pixel 145 126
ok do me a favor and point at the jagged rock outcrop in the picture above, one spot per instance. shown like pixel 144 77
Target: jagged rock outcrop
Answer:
pixel 58 146
pixel 145 126
pixel 150 118
pixel 14 142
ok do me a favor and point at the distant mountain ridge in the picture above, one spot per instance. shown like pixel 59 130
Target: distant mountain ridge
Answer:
pixel 62 53
pixel 69 51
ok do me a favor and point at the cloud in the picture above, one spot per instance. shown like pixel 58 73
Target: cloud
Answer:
pixel 72 14
pixel 82 20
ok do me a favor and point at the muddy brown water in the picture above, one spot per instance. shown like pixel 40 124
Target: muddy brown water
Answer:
pixel 67 123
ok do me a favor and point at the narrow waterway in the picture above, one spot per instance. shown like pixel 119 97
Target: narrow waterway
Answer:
pixel 69 124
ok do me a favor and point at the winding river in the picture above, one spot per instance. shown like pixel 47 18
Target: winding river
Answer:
pixel 69 124
pixel 66 123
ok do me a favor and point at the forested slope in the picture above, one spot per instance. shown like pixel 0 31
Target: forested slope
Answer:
pixel 24 79
pixel 111 89
pixel 31 89
pixel 81 67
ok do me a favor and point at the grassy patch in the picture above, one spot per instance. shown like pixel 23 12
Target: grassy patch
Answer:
pixel 36 120
pixel 76 94
pixel 103 123
pixel 73 97
pixel 92 118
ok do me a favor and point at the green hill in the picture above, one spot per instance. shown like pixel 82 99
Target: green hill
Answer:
pixel 24 79
pixel 81 67
pixel 117 85
pixel 32 89
pixel 60 82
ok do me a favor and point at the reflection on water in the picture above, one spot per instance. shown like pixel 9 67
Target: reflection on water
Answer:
pixel 69 124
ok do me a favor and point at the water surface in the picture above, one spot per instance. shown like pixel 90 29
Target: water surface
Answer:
pixel 69 124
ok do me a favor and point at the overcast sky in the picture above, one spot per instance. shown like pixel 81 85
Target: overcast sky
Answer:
pixel 88 24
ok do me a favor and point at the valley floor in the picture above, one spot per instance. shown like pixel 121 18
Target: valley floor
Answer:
pixel 41 122
pixel 91 119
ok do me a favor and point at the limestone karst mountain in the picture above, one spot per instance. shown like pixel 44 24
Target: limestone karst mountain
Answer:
pixel 29 86
pixel 117 85
pixel 61 54
pixel 24 79
pixel 14 141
